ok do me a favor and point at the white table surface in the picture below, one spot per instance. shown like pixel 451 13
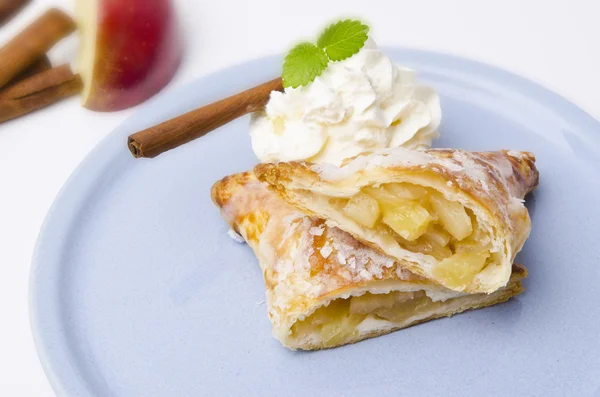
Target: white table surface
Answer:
pixel 553 42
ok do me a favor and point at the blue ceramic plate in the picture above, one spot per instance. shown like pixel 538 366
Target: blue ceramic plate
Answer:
pixel 137 290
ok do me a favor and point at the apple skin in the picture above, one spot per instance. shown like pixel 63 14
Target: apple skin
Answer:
pixel 137 52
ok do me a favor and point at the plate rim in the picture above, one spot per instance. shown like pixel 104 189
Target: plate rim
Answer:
pixel 66 381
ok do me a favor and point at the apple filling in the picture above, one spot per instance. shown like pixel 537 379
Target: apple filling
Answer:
pixel 421 220
pixel 338 322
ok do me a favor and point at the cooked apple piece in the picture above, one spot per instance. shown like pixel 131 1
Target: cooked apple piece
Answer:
pixel 403 310
pixel 381 194
pixel 424 246
pixel 387 236
pixel 472 245
pixel 337 332
pixel 453 216
pixel 477 241
pixel 406 190
pixel 333 323
pixel 334 312
pixel 338 202
pixel 363 209
pixel 401 296
pixel 429 248
pixel 442 252
pixel 406 218
pixel 437 235
pixel 460 269
pixel 331 313
pixel 368 302
pixel 365 304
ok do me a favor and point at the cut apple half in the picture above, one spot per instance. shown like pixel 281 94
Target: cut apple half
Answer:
pixel 129 51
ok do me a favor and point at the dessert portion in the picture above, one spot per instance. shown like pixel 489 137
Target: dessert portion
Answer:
pixel 360 104
pixel 454 217
pixel 358 227
pixel 324 288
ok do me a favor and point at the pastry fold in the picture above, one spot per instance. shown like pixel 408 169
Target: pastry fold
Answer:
pixel 324 288
pixel 451 216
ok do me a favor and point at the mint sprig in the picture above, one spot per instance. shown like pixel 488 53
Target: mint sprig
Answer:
pixel 303 64
pixel 343 39
pixel 338 41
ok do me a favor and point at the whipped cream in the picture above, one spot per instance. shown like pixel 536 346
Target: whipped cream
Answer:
pixel 362 104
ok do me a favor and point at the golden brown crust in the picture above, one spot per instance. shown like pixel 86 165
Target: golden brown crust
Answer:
pixel 524 178
pixel 222 191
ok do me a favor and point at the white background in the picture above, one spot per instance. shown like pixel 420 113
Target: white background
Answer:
pixel 553 42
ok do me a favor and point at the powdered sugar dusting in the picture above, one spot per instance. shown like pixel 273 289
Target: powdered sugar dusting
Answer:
pixel 341 258
pixel 471 168
pixel 460 162
pixel 505 168
pixel 316 230
pixel 384 158
pixel 326 250
pixel 515 154
pixel 235 237
pixel 364 263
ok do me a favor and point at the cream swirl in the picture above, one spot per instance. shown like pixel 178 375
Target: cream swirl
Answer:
pixel 362 104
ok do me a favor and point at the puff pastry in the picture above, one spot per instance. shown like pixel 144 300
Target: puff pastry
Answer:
pixel 324 288
pixel 451 216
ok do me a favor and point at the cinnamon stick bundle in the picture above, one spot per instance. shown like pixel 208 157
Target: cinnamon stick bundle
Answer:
pixel 175 132
pixel 33 42
pixel 38 66
pixel 38 91
pixel 8 8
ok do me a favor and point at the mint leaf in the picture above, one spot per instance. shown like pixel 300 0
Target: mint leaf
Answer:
pixel 303 64
pixel 343 39
pixel 306 61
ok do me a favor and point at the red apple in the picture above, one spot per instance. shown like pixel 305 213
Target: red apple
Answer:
pixel 129 51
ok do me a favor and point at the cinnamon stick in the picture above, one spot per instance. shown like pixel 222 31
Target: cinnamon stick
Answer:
pixel 175 132
pixel 33 42
pixel 39 66
pixel 8 8
pixel 38 91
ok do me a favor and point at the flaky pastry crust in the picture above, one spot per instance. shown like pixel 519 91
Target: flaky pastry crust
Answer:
pixel 307 264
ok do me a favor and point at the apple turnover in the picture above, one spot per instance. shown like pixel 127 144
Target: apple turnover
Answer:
pixel 451 216
pixel 324 288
